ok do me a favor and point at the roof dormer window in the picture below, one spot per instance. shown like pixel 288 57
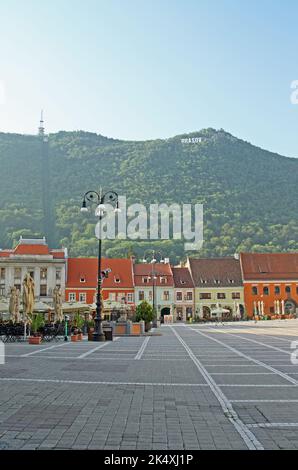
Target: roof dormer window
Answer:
pixel 231 281
pixel 117 279
pixel 216 281
pixel 163 280
pixel 182 281
pixel 203 281
pixel 82 279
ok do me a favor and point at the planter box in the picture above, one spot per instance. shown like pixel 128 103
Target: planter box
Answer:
pixel 80 336
pixel 74 338
pixel 34 339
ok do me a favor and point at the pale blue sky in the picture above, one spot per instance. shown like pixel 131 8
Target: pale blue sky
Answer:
pixel 141 69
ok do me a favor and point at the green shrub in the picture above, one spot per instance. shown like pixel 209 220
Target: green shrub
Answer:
pixel 144 311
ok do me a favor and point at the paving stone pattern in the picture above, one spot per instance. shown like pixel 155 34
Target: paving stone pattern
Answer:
pixel 193 387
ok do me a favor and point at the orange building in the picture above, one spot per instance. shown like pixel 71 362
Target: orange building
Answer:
pixel 81 281
pixel 270 283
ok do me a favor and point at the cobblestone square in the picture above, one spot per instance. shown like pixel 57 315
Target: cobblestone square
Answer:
pixel 225 386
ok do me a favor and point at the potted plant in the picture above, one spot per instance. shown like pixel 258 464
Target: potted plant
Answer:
pixel 79 322
pixel 90 330
pixel 37 322
pixel 144 311
pixel 74 334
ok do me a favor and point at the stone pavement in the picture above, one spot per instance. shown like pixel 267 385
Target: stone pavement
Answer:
pixel 229 386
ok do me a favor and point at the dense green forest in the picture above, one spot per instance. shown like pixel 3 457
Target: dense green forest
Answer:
pixel 250 195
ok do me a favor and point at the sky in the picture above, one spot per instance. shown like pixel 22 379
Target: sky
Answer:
pixel 146 69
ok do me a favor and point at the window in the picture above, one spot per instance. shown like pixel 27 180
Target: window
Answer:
pixel 288 289
pixel 182 281
pixel 130 297
pixel 2 273
pixel 276 290
pixel 179 296
pixel 117 279
pixel 17 273
pixel 82 279
pixel 58 274
pixel 72 297
pixel 216 281
pixel 205 295
pixel 82 297
pixel 203 281
pixel 43 290
pixel 163 280
pixel 43 273
pixel 166 295
pixel 112 296
pixel 231 281
pixel 141 295
pixel 254 290
pixel 2 290
pixel 146 280
pixel 266 290
pixel 221 295
pixel 150 295
pixel 235 295
pixel 188 296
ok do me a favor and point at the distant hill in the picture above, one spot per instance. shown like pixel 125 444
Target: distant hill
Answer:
pixel 250 195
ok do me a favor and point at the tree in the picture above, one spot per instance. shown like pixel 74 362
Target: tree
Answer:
pixel 144 311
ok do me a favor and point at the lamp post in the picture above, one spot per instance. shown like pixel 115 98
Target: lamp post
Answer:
pixel 100 199
pixel 150 256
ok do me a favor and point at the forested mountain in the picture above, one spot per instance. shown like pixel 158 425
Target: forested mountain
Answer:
pixel 250 196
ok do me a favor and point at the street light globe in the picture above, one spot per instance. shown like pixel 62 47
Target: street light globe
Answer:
pixel 117 210
pixel 84 209
pixel 100 210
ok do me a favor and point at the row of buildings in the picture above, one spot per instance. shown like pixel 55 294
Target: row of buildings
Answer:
pixel 247 284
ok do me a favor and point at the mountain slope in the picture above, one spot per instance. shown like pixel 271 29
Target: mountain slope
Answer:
pixel 250 195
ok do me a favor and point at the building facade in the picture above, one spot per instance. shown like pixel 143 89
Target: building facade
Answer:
pixel 154 283
pixel 81 284
pixel 46 266
pixel 219 289
pixel 270 283
pixel 184 294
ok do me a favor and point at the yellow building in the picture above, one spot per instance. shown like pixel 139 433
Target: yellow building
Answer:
pixel 219 292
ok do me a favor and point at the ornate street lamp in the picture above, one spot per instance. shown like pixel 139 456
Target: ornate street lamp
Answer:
pixel 100 199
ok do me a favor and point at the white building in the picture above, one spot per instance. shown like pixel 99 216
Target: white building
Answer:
pixel 46 266
pixel 155 280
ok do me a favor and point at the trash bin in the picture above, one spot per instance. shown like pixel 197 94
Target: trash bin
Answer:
pixel 108 332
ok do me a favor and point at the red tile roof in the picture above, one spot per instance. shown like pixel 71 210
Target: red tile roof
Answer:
pixel 5 253
pixel 269 266
pixel 30 247
pixel 145 270
pixel 182 278
pixel 86 268
pixel 207 271
pixel 24 249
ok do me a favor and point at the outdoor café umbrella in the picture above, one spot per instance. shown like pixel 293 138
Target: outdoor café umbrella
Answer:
pixel 14 305
pixel 58 304
pixel 28 300
pixel 219 310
